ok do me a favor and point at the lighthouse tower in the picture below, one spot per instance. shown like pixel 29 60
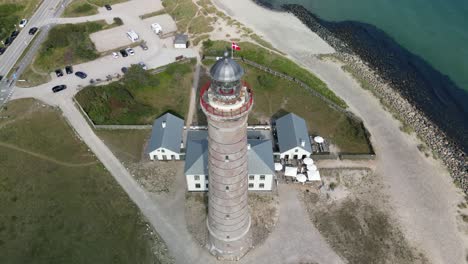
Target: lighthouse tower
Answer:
pixel 226 102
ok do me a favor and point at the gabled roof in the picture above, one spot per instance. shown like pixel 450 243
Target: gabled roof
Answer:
pixel 180 39
pixel 260 155
pixel 291 130
pixel 168 136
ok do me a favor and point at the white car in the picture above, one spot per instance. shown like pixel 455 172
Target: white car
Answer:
pixel 115 55
pixel 23 23
pixel 130 51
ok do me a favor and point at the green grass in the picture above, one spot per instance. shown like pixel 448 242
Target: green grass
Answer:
pixel 68 44
pixel 105 2
pixel 79 8
pixel 12 11
pixel 32 78
pixel 182 11
pixel 126 144
pixel 156 13
pixel 276 62
pixel 140 97
pixel 199 25
pixel 200 38
pixel 63 213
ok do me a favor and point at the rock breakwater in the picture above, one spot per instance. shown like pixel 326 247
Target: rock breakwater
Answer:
pixel 404 102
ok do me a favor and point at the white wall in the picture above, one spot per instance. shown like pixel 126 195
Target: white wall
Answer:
pixel 300 152
pixel 198 184
pixel 180 46
pixel 163 154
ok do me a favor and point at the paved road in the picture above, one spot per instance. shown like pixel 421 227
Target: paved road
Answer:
pixel 47 10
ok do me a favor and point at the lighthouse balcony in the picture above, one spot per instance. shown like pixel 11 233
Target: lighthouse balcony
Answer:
pixel 226 106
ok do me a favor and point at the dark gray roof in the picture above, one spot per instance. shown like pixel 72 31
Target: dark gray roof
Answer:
pixel 291 129
pixel 168 137
pixel 180 39
pixel 260 155
pixel 226 70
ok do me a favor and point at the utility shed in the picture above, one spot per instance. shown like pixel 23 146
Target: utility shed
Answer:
pixel 166 138
pixel 293 137
pixel 260 163
pixel 180 41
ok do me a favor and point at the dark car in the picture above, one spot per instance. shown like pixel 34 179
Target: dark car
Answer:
pixel 124 53
pixel 144 46
pixel 14 34
pixel 82 75
pixel 1 77
pixel 69 69
pixel 108 7
pixel 33 31
pixel 59 73
pixel 124 69
pixel 59 88
pixel 2 50
pixel 8 41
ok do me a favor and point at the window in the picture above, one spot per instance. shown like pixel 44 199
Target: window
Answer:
pixel 251 177
pixel 227 216
pixel 251 185
pixel 261 186
pixel 207 185
pixel 227 237
pixel 226 159
pixel 296 150
pixel 162 150
pixel 197 177
pixel 227 188
pixel 198 186
pixel 262 177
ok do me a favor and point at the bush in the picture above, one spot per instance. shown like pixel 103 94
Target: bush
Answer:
pixel 118 21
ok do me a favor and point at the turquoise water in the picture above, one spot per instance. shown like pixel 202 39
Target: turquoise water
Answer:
pixel 436 30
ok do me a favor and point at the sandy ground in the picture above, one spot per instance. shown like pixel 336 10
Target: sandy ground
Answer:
pixel 420 189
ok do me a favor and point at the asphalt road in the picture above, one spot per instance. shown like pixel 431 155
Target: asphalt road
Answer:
pixel 47 10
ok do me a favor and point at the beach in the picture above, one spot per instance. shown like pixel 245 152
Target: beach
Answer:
pixel 420 189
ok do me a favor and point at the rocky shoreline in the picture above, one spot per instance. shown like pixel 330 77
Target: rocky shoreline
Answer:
pixel 453 157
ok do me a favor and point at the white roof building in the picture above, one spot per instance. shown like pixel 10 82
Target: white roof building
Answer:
pixel 166 138
pixel 260 163
pixel 293 137
pixel 180 41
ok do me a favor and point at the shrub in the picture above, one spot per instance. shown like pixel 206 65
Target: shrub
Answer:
pixel 118 21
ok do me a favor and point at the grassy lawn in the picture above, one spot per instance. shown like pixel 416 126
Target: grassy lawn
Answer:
pixel 182 11
pixel 12 11
pixel 140 97
pixel 59 204
pixel 274 61
pixel 273 97
pixel 68 44
pixel 79 8
pixel 126 144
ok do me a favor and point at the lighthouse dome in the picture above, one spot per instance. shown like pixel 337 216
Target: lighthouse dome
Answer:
pixel 226 70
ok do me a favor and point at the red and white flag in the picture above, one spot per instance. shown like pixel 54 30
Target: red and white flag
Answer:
pixel 235 46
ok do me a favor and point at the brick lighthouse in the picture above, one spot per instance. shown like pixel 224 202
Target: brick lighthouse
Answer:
pixel 226 102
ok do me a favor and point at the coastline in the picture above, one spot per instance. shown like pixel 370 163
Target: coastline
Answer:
pixel 419 187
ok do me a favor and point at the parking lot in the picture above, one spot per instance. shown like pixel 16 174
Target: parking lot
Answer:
pixel 110 39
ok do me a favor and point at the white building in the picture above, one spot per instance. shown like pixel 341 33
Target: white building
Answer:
pixel 156 28
pixel 133 36
pixel 180 41
pixel 293 137
pixel 260 163
pixel 166 138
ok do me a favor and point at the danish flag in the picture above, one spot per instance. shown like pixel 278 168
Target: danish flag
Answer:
pixel 235 46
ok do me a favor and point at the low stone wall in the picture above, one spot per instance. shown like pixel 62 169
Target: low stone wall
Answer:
pixel 350 156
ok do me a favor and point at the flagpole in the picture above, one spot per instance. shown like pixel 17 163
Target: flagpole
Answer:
pixel 232 53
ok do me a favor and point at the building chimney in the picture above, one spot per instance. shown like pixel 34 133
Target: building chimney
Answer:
pixel 163 124
pixel 302 143
pixel 248 146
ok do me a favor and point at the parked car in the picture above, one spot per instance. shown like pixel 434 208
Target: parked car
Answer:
pixel 124 69
pixel 115 55
pixel 108 7
pixel 130 51
pixel 23 23
pixel 14 34
pixel 144 46
pixel 80 74
pixel 8 41
pixel 33 30
pixel 69 69
pixel 124 53
pixel 2 50
pixel 59 73
pixel 143 65
pixel 59 88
